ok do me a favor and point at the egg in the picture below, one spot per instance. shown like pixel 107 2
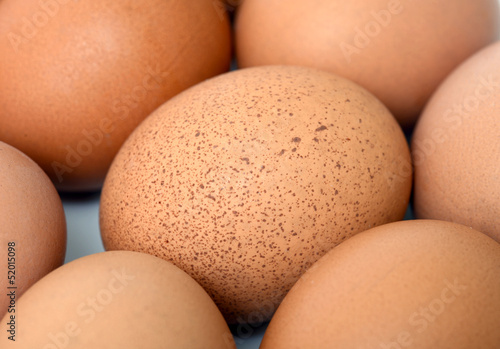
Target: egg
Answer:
pixel 33 226
pixel 413 284
pixel 247 179
pixel 399 50
pixel 76 77
pixel 119 299
pixel 456 147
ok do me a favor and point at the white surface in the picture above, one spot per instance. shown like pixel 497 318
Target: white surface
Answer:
pixel 82 217
pixel 84 238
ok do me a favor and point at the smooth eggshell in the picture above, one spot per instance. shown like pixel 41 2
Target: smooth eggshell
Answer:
pixel 76 77
pixel 398 50
pixel 246 180
pixel 456 147
pixel 31 216
pixel 115 300
pixel 412 284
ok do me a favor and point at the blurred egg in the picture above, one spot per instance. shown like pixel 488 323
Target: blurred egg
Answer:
pixel 76 77
pixel 114 300
pixel 398 50
pixel 456 147
pixel 33 225
pixel 412 284
pixel 247 179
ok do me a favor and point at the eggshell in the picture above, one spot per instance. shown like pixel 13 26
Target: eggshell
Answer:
pixel 246 180
pixel 119 300
pixel 32 222
pixel 76 77
pixel 399 50
pixel 412 284
pixel 456 147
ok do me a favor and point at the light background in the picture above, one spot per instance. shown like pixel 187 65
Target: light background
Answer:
pixel 82 215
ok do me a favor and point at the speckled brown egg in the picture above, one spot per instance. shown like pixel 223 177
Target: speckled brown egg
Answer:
pixel 76 77
pixel 399 50
pixel 413 284
pixel 456 147
pixel 246 180
pixel 32 226
pixel 115 300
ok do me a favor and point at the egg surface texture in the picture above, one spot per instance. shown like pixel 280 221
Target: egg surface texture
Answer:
pixel 33 225
pixel 115 300
pixel 76 77
pixel 247 179
pixel 456 147
pixel 399 50
pixel 412 284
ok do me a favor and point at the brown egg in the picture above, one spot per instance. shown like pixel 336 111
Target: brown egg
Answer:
pixel 115 300
pixel 33 226
pixel 456 147
pixel 246 180
pixel 76 77
pixel 411 284
pixel 399 50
